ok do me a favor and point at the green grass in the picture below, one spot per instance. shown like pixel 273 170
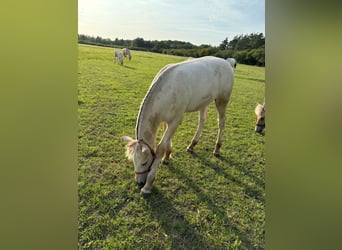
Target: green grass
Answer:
pixel 198 201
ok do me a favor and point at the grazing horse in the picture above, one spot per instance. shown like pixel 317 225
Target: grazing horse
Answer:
pixel 118 57
pixel 126 53
pixel 177 88
pixel 232 62
pixel 260 110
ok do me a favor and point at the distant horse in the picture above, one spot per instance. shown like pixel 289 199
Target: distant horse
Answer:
pixel 260 110
pixel 126 53
pixel 232 62
pixel 118 57
pixel 177 88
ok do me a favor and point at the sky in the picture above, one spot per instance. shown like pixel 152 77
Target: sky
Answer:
pixel 198 22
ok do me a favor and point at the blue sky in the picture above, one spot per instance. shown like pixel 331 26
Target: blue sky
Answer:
pixel 198 22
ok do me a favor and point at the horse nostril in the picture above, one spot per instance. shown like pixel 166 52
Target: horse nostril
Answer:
pixel 141 183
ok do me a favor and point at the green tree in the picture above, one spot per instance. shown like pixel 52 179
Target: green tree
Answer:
pixel 138 42
pixel 224 44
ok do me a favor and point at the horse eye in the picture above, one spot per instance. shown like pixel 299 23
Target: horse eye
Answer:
pixel 144 164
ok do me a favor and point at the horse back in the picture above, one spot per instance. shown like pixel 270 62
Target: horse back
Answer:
pixel 191 85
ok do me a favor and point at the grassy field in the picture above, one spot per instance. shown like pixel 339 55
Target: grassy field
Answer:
pixel 198 201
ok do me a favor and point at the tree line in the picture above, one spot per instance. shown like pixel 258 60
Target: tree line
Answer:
pixel 246 49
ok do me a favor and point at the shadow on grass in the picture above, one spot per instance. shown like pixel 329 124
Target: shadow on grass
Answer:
pixel 260 134
pixel 255 193
pixel 251 79
pixel 129 67
pixel 211 204
pixel 177 229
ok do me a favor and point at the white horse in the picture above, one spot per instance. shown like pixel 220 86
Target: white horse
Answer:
pixel 118 57
pixel 232 62
pixel 260 111
pixel 126 53
pixel 177 88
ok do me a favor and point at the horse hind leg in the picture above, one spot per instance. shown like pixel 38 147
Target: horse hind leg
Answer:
pixel 203 114
pixel 221 110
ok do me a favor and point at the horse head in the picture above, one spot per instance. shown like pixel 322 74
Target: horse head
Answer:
pixel 260 121
pixel 142 156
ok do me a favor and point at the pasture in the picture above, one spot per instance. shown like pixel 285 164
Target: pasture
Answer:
pixel 198 201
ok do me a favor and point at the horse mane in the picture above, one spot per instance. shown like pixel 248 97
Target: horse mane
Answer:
pixel 260 110
pixel 130 149
pixel 150 92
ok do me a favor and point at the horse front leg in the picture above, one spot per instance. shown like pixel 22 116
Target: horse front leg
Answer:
pixel 161 149
pixel 203 114
pixel 168 149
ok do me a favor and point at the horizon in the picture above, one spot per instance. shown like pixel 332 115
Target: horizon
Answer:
pixel 94 36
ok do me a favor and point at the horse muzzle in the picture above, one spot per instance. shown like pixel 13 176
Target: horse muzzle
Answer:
pixel 141 179
pixel 259 129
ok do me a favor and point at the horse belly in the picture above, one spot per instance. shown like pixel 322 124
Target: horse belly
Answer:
pixel 198 103
pixel 201 95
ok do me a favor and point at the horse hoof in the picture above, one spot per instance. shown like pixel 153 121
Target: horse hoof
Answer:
pixel 189 150
pixel 217 154
pixel 144 195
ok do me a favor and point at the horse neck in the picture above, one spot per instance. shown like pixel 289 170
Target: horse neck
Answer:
pixel 147 125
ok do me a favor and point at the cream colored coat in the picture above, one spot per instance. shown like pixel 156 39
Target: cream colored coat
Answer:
pixel 177 88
